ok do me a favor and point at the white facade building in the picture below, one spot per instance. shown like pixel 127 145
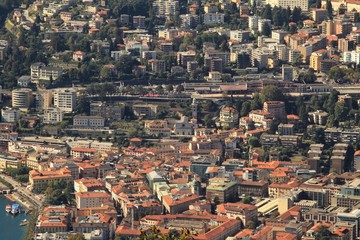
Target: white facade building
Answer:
pixel 10 115
pixel 21 98
pixel 65 100
pixel 351 57
pixel 89 121
pixel 239 35
pixel 253 23
pixel 213 18
pixel 53 115
pixel 304 5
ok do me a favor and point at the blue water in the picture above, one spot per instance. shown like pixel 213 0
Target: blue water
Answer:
pixel 9 224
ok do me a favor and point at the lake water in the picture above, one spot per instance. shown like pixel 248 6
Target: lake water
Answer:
pixel 9 224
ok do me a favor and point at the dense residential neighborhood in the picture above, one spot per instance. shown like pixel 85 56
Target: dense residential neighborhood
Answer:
pixel 180 119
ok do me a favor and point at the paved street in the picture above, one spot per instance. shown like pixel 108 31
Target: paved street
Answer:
pixel 35 200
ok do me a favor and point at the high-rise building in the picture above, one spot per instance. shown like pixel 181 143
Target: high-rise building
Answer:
pixel 21 98
pixel 351 57
pixel 287 72
pixel 43 100
pixel 189 21
pixel 166 8
pixel 243 60
pixel 65 100
pixel 253 23
pixel 139 21
pixel 262 23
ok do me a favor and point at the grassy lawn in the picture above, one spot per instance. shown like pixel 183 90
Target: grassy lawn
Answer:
pixel 297 158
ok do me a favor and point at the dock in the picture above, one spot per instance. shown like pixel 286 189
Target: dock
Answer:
pixel 15 197
pixel 4 189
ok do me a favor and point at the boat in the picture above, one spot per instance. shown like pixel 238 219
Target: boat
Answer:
pixel 8 208
pixel 15 209
pixel 24 222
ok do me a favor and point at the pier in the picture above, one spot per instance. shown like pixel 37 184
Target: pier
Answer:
pixel 4 189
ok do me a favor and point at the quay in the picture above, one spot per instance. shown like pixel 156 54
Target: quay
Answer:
pixel 4 189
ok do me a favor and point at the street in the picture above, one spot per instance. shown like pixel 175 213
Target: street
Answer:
pixel 34 199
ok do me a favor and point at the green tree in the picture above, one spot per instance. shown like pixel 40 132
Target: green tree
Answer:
pixel 267 12
pixel 317 135
pixel 296 14
pixel 266 30
pixel 179 88
pixel 278 17
pixel 247 200
pixel 301 110
pixel 169 88
pixel 271 93
pixel 318 3
pixel 341 111
pixel 329 104
pixel 322 233
pixel 254 142
pixel 245 109
pixel 329 9
pixel 298 59
pixel 209 122
pixel 307 77
pixel 77 236
pixel 83 105
pixel 337 73
pixel 256 102
pixel 159 89
pixel 250 225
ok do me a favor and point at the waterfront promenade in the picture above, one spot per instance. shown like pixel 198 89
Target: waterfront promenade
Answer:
pixel 34 200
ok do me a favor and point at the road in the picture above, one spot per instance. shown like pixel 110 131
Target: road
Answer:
pixel 34 199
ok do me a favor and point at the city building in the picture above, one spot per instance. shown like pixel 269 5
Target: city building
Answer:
pixel 253 188
pixel 9 162
pixel 80 152
pixel 229 117
pixel 81 121
pixel 222 191
pixel 39 180
pixel 213 18
pixel 276 108
pixel 43 100
pixel 91 199
pixel 319 14
pixel 41 72
pixel 149 110
pixel 53 115
pixel 21 98
pixel 112 112
pixel 10 115
pixel 65 100
pixel 88 185
pixel 166 8
pixel 139 22
pixel 318 117
pixel 304 5
pixel 24 81
pixel 244 212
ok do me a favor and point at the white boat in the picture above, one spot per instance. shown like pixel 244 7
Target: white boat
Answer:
pixel 24 222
